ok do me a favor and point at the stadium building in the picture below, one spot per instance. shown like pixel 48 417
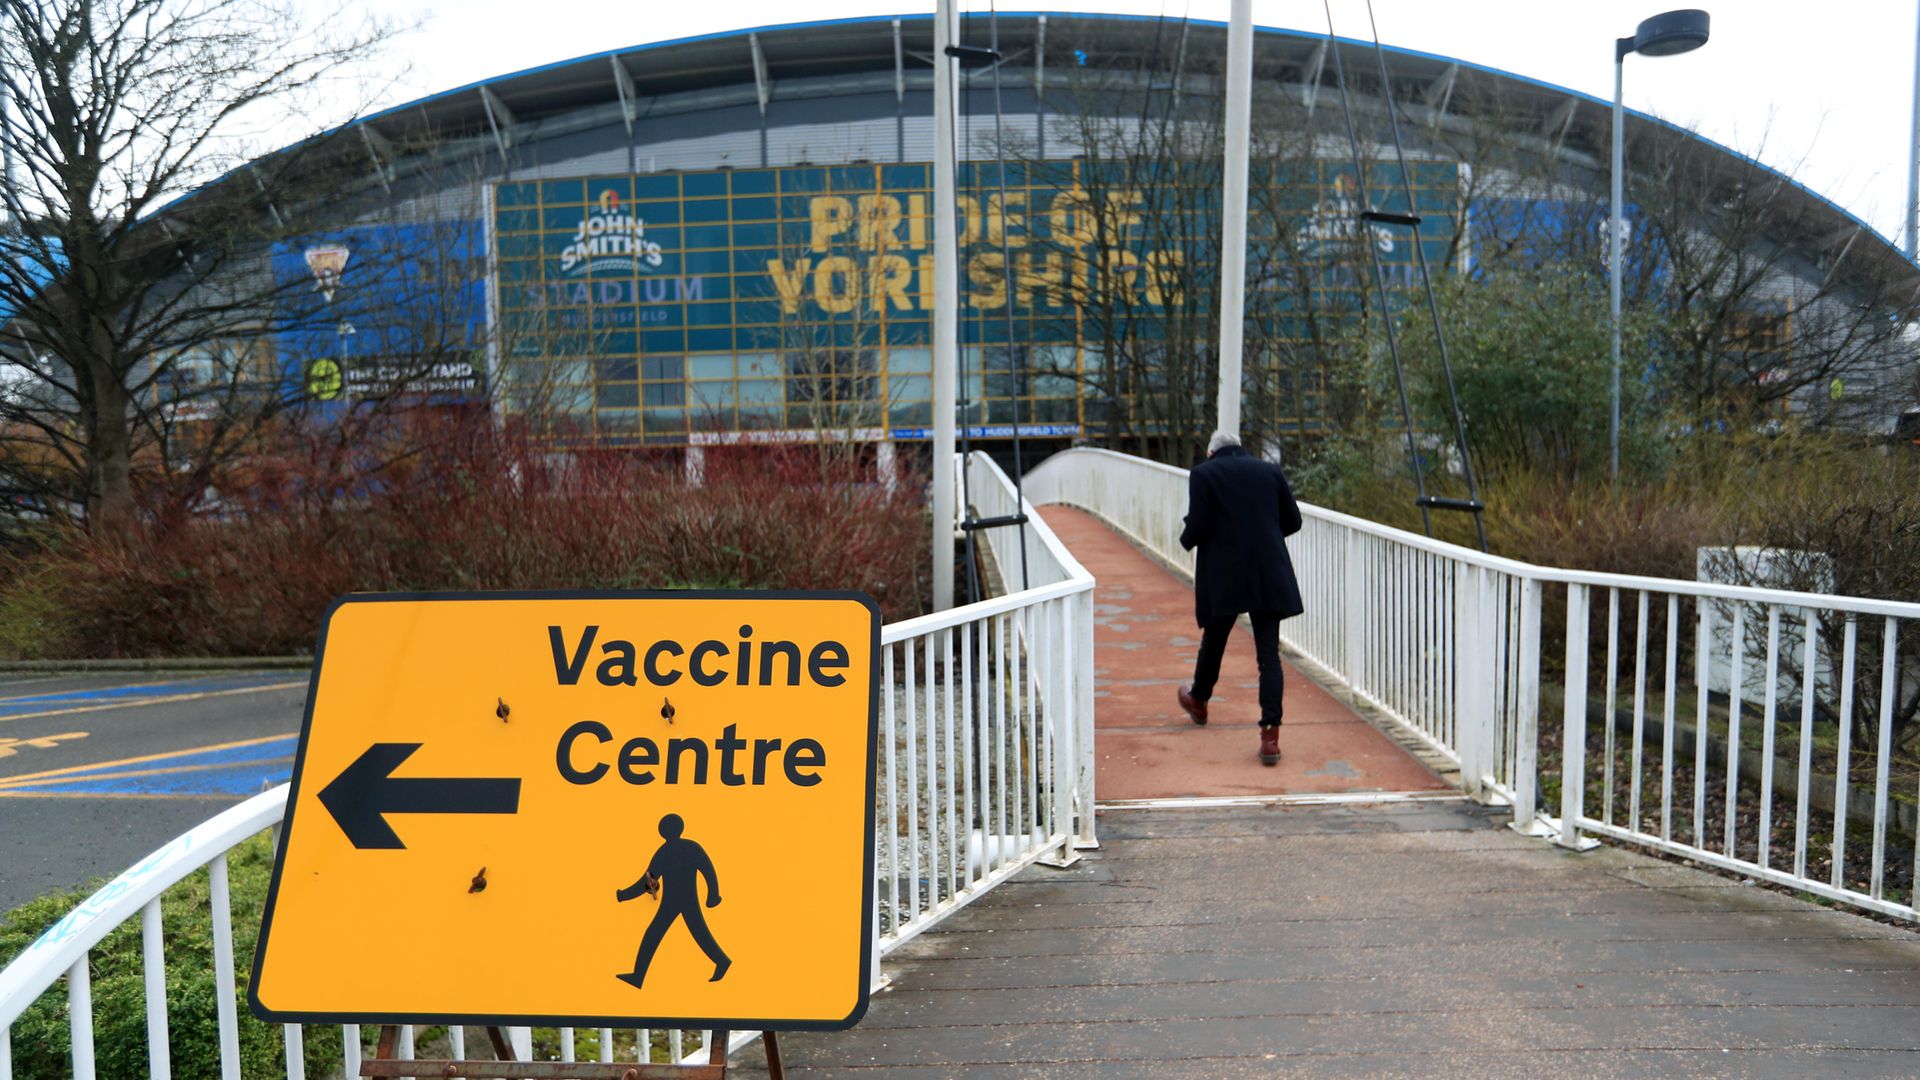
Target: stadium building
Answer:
pixel 729 236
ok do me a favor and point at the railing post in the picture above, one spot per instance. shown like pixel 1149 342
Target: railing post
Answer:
pixel 875 980
pixel 1490 648
pixel 1353 611
pixel 154 965
pixel 1493 648
pixel 1080 635
pixel 1526 735
pixel 1057 619
pixel 1573 743
pixel 1469 646
pixel 295 1042
pixel 225 1008
pixel 80 1018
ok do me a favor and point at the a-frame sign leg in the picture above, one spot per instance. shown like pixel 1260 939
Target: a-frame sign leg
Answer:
pixel 775 1069
pixel 717 1054
pixel 502 1045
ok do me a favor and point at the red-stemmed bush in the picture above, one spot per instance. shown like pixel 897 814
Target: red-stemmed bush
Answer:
pixel 438 502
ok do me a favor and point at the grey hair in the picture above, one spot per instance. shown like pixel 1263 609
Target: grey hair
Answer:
pixel 1221 439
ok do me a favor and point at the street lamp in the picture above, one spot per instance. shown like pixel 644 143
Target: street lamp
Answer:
pixel 1667 34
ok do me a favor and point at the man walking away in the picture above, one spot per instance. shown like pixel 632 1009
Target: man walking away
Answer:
pixel 1239 513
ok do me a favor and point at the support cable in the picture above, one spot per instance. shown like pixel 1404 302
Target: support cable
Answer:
pixel 1473 504
pixel 961 401
pixel 1365 234
pixel 1006 277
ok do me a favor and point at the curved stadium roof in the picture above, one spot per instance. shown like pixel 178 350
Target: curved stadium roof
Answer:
pixel 774 67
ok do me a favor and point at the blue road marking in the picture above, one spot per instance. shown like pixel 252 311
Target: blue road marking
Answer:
pixel 236 770
pixel 36 702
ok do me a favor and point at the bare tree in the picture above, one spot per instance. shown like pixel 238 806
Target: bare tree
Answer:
pixel 1129 247
pixel 1766 303
pixel 837 292
pixel 114 287
pixel 1139 228
pixel 1756 299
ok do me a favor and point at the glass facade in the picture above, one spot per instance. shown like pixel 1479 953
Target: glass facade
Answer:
pixel 649 309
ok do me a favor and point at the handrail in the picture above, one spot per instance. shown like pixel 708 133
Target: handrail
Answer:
pixel 1045 472
pixel 997 605
pixel 1447 643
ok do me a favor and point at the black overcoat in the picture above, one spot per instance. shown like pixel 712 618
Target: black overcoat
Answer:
pixel 1239 512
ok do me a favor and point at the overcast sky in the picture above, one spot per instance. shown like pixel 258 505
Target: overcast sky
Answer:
pixel 1823 91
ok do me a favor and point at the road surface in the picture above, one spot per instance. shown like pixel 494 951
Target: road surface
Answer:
pixel 97 770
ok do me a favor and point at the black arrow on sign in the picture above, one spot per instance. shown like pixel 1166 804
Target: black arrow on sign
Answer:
pixel 366 791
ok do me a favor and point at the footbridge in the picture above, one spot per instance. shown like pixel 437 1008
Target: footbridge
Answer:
pixel 1528 821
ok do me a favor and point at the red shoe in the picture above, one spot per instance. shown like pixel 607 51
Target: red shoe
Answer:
pixel 1196 709
pixel 1270 745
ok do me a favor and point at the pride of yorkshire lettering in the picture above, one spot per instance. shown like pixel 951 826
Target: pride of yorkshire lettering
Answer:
pixel 881 226
pixel 584 756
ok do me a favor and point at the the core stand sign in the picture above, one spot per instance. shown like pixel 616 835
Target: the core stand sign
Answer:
pixel 648 810
pixel 383 1063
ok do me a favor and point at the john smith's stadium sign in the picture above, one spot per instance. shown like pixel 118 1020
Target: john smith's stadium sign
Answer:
pixel 610 241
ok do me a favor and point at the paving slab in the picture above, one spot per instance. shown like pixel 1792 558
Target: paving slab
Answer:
pixel 1311 941
pixel 1145 640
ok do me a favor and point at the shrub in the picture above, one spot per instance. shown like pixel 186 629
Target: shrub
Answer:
pixel 31 618
pixel 1530 352
pixel 1860 507
pixel 466 507
pixel 1646 527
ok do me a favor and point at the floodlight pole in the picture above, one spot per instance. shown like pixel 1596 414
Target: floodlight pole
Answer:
pixel 1233 214
pixel 946 299
pixel 1615 227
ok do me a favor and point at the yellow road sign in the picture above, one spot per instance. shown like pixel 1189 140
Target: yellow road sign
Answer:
pixel 592 809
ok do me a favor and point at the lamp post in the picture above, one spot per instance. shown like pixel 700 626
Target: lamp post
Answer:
pixel 1667 34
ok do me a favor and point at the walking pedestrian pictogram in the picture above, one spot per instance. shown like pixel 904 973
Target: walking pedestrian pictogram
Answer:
pixel 482 778
pixel 671 878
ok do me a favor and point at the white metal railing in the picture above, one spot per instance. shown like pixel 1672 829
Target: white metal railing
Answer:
pixel 1660 685
pixel 986 734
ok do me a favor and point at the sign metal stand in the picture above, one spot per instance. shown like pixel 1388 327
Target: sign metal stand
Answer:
pixel 506 1067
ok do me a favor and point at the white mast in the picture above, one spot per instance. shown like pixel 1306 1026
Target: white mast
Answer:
pixel 946 298
pixel 1913 160
pixel 1233 213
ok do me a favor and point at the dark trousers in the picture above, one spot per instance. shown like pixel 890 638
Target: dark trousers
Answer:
pixel 1266 649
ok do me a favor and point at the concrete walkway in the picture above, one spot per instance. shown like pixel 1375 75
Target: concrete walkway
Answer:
pixel 1414 939
pixel 1144 645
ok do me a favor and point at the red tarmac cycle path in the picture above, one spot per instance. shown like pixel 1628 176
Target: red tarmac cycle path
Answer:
pixel 1144 644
